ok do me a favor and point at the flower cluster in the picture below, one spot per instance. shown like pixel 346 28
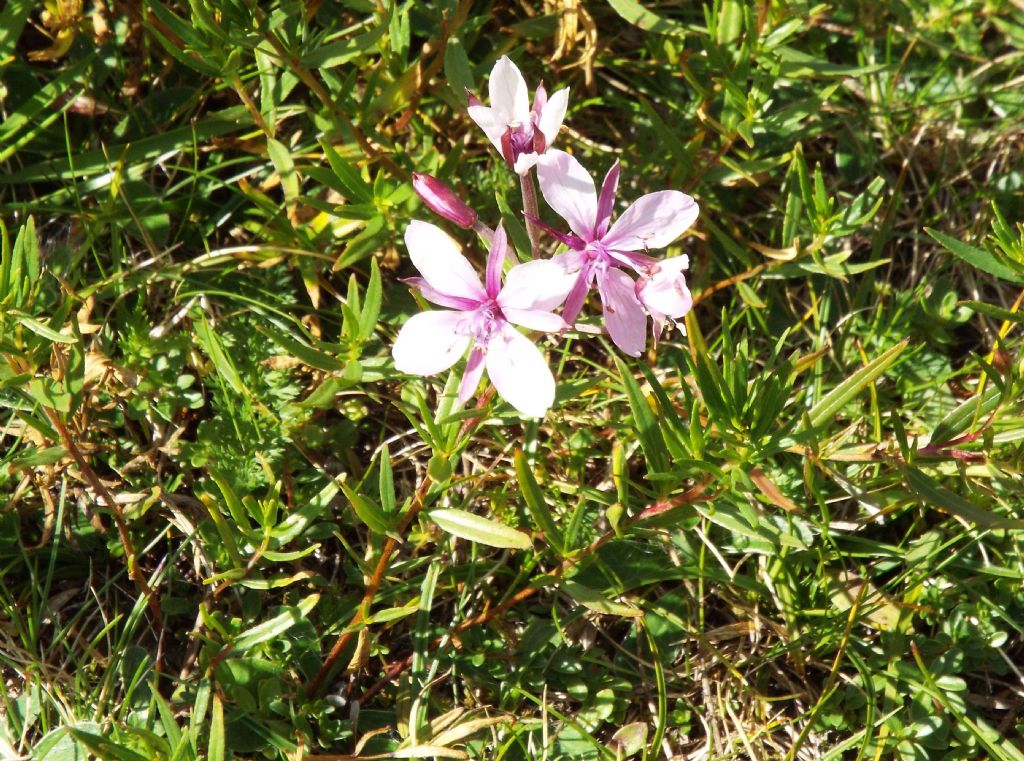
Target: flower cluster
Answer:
pixel 480 318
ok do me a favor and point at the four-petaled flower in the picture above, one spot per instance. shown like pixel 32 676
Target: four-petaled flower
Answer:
pixel 520 134
pixel 600 252
pixel 481 318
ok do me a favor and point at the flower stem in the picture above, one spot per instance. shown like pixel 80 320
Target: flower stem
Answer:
pixel 532 211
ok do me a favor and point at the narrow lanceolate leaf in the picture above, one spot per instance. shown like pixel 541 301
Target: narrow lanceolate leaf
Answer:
pixel 647 429
pixel 979 258
pixel 368 512
pixel 833 402
pixel 43 330
pixel 371 303
pixel 539 510
pixel 971 412
pixel 481 530
pixel 211 344
pixel 215 748
pixel 278 625
pixel 935 495
pixel 597 602
pixel 639 16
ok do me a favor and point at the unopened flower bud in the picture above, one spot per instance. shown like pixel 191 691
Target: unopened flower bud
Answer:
pixel 442 200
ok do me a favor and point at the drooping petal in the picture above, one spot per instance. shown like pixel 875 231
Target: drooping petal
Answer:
pixel 665 292
pixel 471 377
pixel 495 261
pixel 552 114
pixel 519 372
pixel 438 259
pixel 428 343
pixel 525 162
pixel 535 319
pixel 653 221
pixel 540 284
pixel 509 96
pixel 569 190
pixel 491 122
pixel 623 315
pixel 577 296
pixel 606 200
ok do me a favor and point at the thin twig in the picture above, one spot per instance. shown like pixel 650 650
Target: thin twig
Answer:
pixel 131 559
pixel 696 494
pixel 382 565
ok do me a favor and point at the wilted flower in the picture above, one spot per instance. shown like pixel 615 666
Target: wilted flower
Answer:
pixel 442 200
pixel 599 252
pixel 481 318
pixel 520 134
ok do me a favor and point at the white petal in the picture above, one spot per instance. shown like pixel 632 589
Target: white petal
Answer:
pixel 569 190
pixel 525 162
pixel 438 259
pixel 471 377
pixel 665 292
pixel 653 221
pixel 535 319
pixel 519 373
pixel 428 343
pixel 553 114
pixel 490 122
pixel 507 89
pixel 623 315
pixel 540 284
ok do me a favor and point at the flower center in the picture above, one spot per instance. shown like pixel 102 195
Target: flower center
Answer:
pixel 518 139
pixel 483 322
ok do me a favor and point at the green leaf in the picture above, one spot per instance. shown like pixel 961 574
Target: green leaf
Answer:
pixel 335 54
pixel 992 310
pixel 639 16
pixel 972 410
pixel 287 618
pixel 979 258
pixel 481 530
pixel 647 429
pixel 935 495
pixel 49 393
pixel 597 602
pixel 210 343
pixel 369 513
pixel 386 482
pixel 833 402
pixel 215 747
pixel 358 189
pixel 457 69
pixel 534 499
pixel 371 303
pixel 145 150
pixel 12 21
pixel 301 351
pixel 282 160
pixel 43 330
pixel 516 231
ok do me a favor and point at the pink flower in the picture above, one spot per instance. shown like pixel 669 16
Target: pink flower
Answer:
pixel 480 318
pixel 442 200
pixel 520 134
pixel 601 253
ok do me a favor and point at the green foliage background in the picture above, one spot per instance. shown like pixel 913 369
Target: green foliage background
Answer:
pixel 792 532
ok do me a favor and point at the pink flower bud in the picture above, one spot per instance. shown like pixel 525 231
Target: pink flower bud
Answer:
pixel 442 200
